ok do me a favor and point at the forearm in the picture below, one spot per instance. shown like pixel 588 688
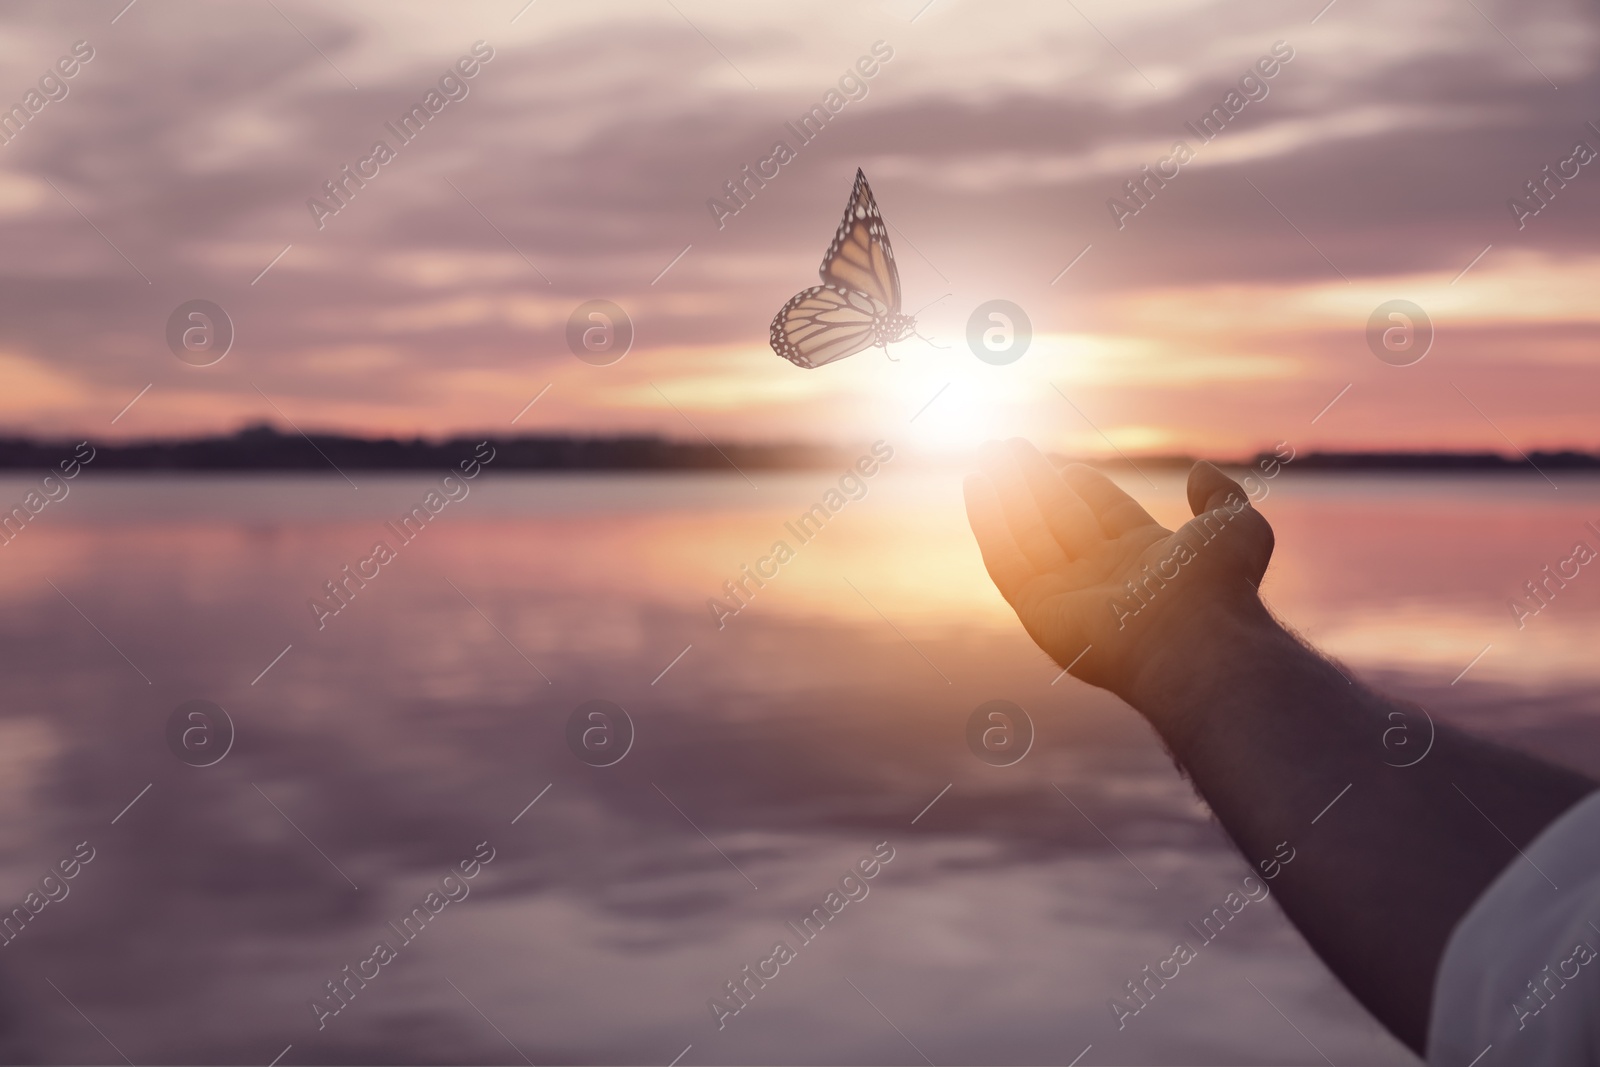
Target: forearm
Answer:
pixel 1272 735
pixel 1284 747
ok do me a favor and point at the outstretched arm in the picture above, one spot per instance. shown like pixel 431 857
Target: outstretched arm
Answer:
pixel 1269 731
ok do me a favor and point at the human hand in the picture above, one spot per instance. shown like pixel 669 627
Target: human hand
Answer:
pixel 1103 588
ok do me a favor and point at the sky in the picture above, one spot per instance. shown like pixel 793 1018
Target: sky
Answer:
pixel 1229 312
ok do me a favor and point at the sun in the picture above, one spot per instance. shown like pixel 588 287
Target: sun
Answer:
pixel 956 412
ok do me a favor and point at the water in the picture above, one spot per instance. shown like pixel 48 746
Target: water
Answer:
pixel 769 757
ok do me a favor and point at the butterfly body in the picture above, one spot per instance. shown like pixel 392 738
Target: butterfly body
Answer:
pixel 858 305
pixel 893 327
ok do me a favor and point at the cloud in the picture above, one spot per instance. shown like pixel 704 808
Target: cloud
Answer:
pixel 585 151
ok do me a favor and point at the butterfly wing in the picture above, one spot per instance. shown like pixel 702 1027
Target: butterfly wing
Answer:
pixel 822 324
pixel 860 257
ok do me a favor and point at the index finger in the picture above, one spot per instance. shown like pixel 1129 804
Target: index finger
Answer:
pixel 1072 521
pixel 1117 511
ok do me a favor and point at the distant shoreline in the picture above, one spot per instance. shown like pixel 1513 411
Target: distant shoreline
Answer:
pixel 265 450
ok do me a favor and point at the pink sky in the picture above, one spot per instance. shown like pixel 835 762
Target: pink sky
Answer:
pixel 577 162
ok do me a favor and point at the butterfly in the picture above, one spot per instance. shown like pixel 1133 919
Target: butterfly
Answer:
pixel 857 305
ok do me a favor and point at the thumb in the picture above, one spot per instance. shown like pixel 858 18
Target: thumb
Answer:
pixel 1209 488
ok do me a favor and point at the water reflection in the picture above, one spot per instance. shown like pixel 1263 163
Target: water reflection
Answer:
pixel 378 753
